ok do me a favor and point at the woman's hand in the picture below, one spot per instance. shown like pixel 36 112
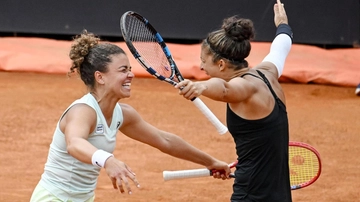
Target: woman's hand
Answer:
pixel 189 89
pixel 220 170
pixel 119 173
pixel 280 16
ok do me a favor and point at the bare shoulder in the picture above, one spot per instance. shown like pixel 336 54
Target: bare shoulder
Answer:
pixel 129 113
pixel 81 110
pixel 126 107
pixel 270 72
pixel 268 68
pixel 79 114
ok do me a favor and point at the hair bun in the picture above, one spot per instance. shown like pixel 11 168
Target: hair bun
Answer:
pixel 238 29
pixel 81 47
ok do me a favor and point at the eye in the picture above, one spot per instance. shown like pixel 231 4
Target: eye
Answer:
pixel 125 69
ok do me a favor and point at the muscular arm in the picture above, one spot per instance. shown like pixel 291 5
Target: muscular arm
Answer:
pixel 136 128
pixel 235 90
pixel 77 124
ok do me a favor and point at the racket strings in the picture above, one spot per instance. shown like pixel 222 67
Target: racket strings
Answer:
pixel 304 165
pixel 144 40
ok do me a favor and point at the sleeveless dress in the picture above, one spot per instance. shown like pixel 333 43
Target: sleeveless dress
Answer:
pixel 262 172
pixel 68 178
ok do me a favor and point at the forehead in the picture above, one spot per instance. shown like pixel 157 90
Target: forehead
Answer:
pixel 119 60
pixel 205 53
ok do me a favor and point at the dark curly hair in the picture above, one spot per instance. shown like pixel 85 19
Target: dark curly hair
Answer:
pixel 89 55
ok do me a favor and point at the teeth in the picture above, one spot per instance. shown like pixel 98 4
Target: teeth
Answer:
pixel 127 84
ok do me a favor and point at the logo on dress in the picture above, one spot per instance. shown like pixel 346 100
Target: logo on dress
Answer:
pixel 118 125
pixel 100 129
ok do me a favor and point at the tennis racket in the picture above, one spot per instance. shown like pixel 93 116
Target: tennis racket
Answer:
pixel 151 51
pixel 304 164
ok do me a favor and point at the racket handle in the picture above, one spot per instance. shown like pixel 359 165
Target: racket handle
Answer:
pixel 221 128
pixel 183 174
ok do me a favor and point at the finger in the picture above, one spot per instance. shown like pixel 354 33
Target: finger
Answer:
pixel 280 6
pixel 216 174
pixel 133 178
pixel 113 181
pixel 128 188
pixel 130 170
pixel 136 182
pixel 178 85
pixel 181 84
pixel 277 6
pixel 119 184
pixel 276 9
pixel 183 89
pixel 189 95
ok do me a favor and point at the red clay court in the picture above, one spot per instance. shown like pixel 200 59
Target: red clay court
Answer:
pixel 323 111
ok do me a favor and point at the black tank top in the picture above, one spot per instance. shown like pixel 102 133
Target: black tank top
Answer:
pixel 262 173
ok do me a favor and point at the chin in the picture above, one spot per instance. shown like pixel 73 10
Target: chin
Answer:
pixel 127 95
pixel 123 94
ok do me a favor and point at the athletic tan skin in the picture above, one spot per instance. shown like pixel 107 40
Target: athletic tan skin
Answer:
pixel 248 97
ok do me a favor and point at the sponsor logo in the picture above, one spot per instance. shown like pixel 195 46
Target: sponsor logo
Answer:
pixel 118 125
pixel 100 129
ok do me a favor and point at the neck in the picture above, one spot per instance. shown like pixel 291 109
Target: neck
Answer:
pixel 95 96
pixel 238 73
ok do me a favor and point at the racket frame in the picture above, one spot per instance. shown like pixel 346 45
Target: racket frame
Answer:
pixel 317 154
pixel 160 41
pixel 221 128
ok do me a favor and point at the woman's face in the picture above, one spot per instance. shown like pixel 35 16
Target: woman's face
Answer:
pixel 119 76
pixel 207 65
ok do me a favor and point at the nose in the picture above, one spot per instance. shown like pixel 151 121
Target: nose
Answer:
pixel 131 74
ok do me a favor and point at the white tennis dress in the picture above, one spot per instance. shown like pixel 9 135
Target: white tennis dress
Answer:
pixel 68 178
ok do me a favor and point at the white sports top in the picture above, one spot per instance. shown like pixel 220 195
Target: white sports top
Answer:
pixel 68 178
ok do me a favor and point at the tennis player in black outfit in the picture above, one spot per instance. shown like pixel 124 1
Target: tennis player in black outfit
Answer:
pixel 256 112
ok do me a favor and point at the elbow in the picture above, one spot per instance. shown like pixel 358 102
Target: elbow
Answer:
pixel 70 146
pixel 69 149
pixel 165 146
pixel 223 96
pixel 168 144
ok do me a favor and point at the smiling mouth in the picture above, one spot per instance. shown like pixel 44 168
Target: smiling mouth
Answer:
pixel 127 85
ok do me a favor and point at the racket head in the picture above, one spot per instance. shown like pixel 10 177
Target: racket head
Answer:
pixel 304 165
pixel 148 47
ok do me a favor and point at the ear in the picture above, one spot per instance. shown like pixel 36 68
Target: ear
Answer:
pixel 98 77
pixel 221 64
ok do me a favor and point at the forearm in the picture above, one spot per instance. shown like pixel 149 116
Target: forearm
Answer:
pixel 279 50
pixel 81 149
pixel 179 148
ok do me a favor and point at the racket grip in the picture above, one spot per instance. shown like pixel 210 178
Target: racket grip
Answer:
pixel 183 174
pixel 221 128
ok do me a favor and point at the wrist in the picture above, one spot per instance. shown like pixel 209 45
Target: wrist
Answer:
pixel 204 87
pixel 99 158
pixel 284 29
